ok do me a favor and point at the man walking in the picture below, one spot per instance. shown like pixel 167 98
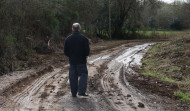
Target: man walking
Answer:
pixel 76 47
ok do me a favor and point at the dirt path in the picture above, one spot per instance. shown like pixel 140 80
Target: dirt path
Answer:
pixel 121 95
pixel 108 88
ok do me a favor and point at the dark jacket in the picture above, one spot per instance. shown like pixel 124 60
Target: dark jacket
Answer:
pixel 76 47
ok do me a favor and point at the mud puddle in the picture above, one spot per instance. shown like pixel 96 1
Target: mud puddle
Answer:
pixel 99 58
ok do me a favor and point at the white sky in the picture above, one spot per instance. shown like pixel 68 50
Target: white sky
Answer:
pixel 170 1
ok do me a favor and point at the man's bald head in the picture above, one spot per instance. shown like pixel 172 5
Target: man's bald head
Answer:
pixel 76 26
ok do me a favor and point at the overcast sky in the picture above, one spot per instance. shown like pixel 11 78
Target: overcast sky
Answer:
pixel 170 1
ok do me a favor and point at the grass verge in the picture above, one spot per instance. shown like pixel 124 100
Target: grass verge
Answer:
pixel 183 96
pixel 170 62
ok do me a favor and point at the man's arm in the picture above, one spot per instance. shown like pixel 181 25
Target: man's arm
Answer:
pixel 66 49
pixel 86 47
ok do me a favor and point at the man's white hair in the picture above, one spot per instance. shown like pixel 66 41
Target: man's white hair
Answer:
pixel 76 26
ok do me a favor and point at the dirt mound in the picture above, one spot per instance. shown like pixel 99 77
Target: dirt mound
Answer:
pixel 152 85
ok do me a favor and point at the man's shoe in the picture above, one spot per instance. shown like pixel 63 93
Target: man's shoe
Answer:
pixel 83 95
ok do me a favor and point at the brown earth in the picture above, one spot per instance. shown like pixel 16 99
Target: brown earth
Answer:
pixel 165 91
pixel 112 85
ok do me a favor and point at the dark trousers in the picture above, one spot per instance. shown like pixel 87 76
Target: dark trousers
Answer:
pixel 78 76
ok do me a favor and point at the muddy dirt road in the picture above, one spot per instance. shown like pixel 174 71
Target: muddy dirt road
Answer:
pixel 108 88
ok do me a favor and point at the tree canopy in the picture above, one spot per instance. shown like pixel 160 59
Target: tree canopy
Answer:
pixel 28 25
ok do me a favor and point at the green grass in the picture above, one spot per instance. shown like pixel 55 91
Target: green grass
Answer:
pixel 154 49
pixel 168 80
pixel 148 74
pixel 148 33
pixel 183 97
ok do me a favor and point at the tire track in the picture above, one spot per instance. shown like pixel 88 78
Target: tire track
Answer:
pixel 51 91
pixel 112 91
pixel 55 89
pixel 120 94
pixel 24 99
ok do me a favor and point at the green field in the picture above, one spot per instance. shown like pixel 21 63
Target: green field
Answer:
pixel 148 33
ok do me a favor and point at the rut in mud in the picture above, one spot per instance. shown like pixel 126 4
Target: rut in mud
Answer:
pixel 121 95
pixel 109 89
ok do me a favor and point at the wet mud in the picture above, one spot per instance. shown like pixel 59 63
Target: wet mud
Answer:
pixel 113 85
